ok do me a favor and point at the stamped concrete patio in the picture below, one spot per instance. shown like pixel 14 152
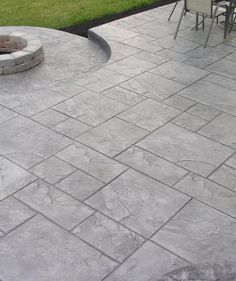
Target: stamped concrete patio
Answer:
pixel 121 169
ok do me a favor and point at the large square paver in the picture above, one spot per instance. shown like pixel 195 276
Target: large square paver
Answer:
pixel 27 143
pixel 149 263
pixel 200 234
pixel 152 86
pixel 179 72
pixel 186 149
pixel 215 91
pixel 221 129
pixel 91 108
pixel 92 162
pixel 12 178
pixel 149 114
pixel 209 193
pixel 41 251
pixel 53 203
pixel 108 236
pixel 152 165
pixel 138 202
pixel 113 136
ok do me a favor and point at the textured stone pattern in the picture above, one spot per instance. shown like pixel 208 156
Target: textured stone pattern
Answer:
pixel 121 169
pixel 25 52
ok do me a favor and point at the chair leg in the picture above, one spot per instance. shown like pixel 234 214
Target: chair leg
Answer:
pixel 212 22
pixel 179 22
pixel 197 19
pixel 173 10
pixel 227 16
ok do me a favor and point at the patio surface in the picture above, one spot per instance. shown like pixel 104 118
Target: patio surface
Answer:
pixel 121 169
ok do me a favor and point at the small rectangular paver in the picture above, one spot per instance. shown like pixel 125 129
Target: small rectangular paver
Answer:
pixel 208 192
pixel 186 149
pixel 179 72
pixel 189 121
pixel 138 202
pixel 54 204
pixel 123 95
pixel 6 114
pixel 149 114
pixel 92 162
pixel 71 128
pixel 108 236
pixel 50 253
pixel 91 108
pixel 12 178
pixel 225 176
pixel 179 102
pixel 13 213
pixel 131 66
pixel 221 129
pixel 152 165
pixel 113 136
pixel 80 185
pixel 52 170
pixel 203 111
pixel 150 262
pixel 153 86
pixel 200 234
pixel 49 117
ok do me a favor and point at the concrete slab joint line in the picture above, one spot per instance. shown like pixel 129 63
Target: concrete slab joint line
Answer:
pixel 118 153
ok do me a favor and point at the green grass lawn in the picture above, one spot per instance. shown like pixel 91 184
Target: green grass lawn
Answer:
pixel 61 13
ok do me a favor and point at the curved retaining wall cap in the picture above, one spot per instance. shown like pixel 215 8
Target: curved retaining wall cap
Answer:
pixel 19 52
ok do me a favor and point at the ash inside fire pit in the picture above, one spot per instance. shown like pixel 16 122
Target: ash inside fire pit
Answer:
pixel 19 52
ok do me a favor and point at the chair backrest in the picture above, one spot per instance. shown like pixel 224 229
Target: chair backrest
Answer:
pixel 200 6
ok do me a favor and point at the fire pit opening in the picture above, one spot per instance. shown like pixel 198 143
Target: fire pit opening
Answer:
pixel 19 52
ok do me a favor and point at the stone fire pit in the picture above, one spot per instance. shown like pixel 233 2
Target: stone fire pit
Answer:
pixel 19 52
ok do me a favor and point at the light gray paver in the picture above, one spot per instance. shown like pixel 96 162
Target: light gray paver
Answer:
pixel 50 253
pixel 91 108
pixel 13 213
pixel 12 178
pixel 27 143
pixel 108 236
pixel 123 95
pixel 149 263
pixel 153 86
pixel 149 114
pixel 203 111
pixel 54 204
pixel 49 117
pixel 52 170
pixel 189 121
pixel 152 165
pixel 200 234
pixel 222 129
pixel 80 185
pixel 180 72
pixel 131 66
pixel 208 192
pixel 92 162
pixel 226 176
pixel 138 202
pixel 176 144
pixel 6 114
pixel 71 128
pixel 179 102
pixel 112 137
pixel 232 161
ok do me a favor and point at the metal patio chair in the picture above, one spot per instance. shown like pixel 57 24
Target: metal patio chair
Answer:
pixel 207 8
